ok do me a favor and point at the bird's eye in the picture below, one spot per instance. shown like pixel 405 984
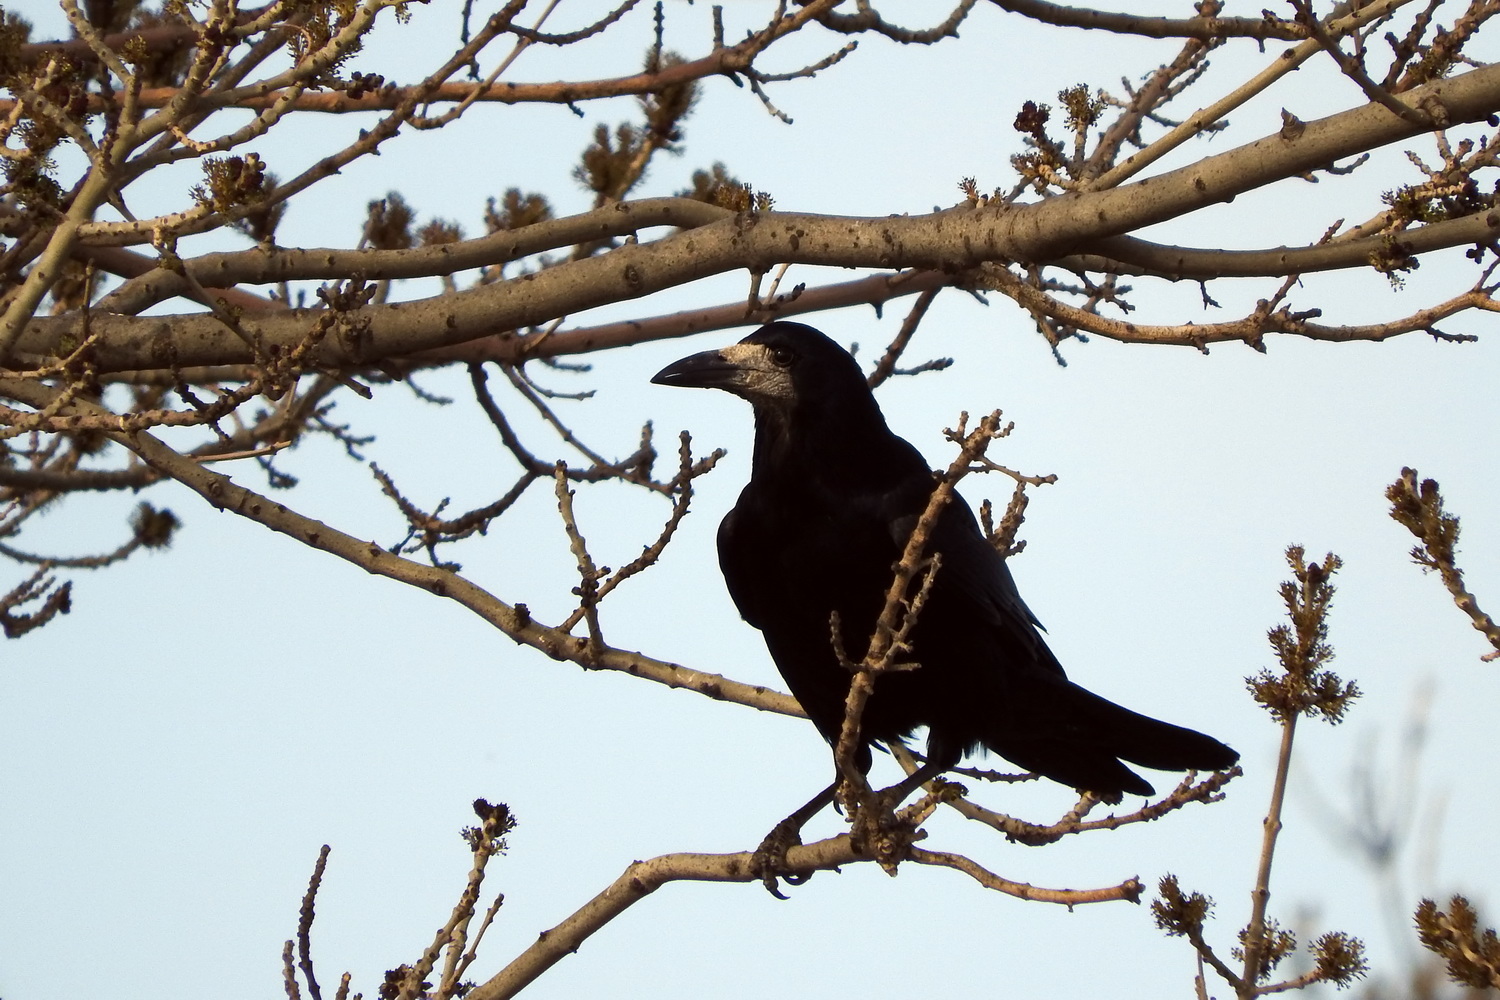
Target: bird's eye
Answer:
pixel 782 357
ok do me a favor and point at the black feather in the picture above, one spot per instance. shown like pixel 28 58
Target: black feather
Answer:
pixel 833 494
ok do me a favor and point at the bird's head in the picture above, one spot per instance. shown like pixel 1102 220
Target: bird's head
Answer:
pixel 778 368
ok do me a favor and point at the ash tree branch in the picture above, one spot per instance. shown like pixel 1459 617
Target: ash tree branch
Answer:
pixel 507 348
pixel 952 240
pixel 73 480
pixel 886 366
pixel 157 38
pixel 259 266
pixel 1133 256
pixel 1266 318
pixel 869 19
pixel 1205 29
pixel 875 290
pixel 485 841
pixel 724 61
pixel 1130 889
pixel 1341 23
pixel 305 921
pixel 681 490
pixel 1020 831
pixel 514 621
pixel 55 599
pixel 1354 70
pixel 642 878
pixel 589 573
pixel 1419 509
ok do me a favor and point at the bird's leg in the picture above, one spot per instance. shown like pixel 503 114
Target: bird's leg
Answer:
pixel 940 757
pixel 897 793
pixel 769 860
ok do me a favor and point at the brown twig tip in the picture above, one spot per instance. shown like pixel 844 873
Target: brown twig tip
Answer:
pixel 589 574
pixel 1472 955
pixel 1304 686
pixel 1419 509
pixel 305 922
pixel 289 974
pixel 1182 914
pixel 56 599
pixel 1178 913
pixel 1338 959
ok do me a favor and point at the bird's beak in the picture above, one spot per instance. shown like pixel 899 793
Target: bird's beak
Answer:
pixel 709 370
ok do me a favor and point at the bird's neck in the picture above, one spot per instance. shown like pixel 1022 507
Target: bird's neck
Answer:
pixel 848 445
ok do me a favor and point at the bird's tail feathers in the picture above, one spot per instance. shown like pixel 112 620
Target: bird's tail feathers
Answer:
pixel 1148 742
pixel 1074 736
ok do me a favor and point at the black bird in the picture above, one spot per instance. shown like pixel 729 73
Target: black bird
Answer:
pixel 833 496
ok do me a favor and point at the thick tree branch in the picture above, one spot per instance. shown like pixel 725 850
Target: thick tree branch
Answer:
pixel 509 349
pixel 951 240
pixel 1129 255
pixel 260 266
pixel 875 290
pixel 1205 29
pixel 78 479
pixel 131 264
pixel 642 878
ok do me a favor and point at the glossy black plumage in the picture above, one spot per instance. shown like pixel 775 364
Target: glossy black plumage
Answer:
pixel 832 497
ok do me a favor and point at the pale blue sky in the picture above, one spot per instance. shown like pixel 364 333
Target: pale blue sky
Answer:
pixel 179 746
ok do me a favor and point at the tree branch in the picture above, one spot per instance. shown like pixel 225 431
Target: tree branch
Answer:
pixel 1130 255
pixel 722 62
pixel 951 240
pixel 1130 889
pixel 1420 511
pixel 642 878
pixel 513 620
pixel 1205 29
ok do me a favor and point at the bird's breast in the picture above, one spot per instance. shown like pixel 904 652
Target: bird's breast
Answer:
pixel 815 560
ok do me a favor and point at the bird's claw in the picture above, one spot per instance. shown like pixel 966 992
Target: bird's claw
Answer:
pixel 769 859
